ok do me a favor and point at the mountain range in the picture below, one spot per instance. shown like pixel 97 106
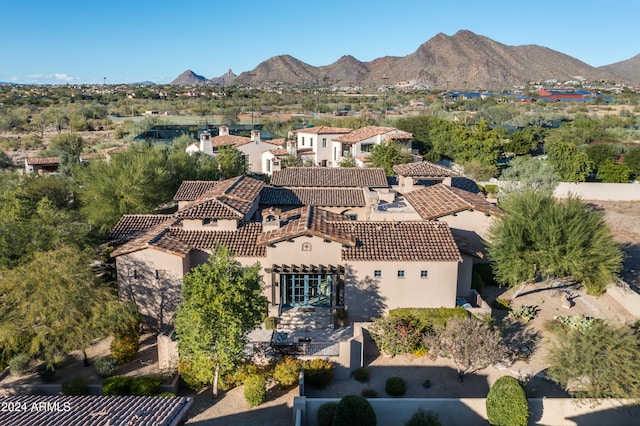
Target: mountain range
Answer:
pixel 464 61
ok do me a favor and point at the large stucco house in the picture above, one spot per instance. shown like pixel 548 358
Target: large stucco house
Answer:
pixel 313 258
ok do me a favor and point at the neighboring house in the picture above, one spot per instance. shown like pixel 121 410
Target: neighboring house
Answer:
pixel 273 159
pixel 41 165
pixel 351 202
pixel 310 257
pixel 252 148
pixel 319 139
pixel 359 143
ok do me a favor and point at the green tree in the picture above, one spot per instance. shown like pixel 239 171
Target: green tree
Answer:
pixel 5 161
pixel 387 155
pixel 613 172
pixel 600 361
pixel 601 154
pixel 231 162
pixel 53 304
pixel 525 172
pixel 541 237
pixel 524 140
pixel 68 147
pixel 135 181
pixel 570 164
pixel 632 160
pixel 222 301
pixel 507 403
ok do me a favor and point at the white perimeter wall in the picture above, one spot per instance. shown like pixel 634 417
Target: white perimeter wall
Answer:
pixel 600 191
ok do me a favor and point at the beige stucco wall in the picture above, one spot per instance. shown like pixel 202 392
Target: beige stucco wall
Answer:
pixel 469 220
pixel 156 294
pixel 254 150
pixel 367 297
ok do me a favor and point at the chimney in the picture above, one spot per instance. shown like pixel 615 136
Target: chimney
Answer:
pixel 291 148
pixel 223 131
pixel 270 220
pixel 205 143
pixel 255 136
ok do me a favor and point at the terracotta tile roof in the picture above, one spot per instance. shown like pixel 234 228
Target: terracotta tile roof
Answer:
pixel 323 197
pixel 192 189
pixel 43 161
pixel 368 132
pixel 232 140
pixel 440 200
pixel 241 242
pixel 280 152
pixel 228 199
pixel 150 238
pixel 330 177
pixel 467 247
pixel 131 225
pixel 307 220
pixel 400 241
pixel 278 142
pixel 93 410
pixel 423 169
pixel 325 130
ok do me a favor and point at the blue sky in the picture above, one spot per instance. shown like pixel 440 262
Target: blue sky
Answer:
pixel 84 41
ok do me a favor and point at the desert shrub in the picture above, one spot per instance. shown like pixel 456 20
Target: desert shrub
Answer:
pixel 369 393
pixel 124 349
pixel 117 386
pixel 18 364
pixel 105 366
pixel 145 386
pixel 270 323
pixel 76 386
pixel 501 304
pixel 326 413
pixel 507 403
pixel 238 376
pixel 166 395
pixel 46 371
pixel 395 386
pixel 423 418
pixel 318 372
pixel 287 371
pixel 491 189
pixel 576 321
pixel 362 374
pixel 255 390
pixel 419 352
pixel 354 410
pixel 395 336
pixel 526 312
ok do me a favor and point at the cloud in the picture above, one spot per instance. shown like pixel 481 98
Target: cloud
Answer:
pixel 52 77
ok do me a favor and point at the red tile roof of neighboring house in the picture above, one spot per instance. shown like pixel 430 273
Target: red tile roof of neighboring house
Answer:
pixel 131 225
pixel 400 241
pixel 440 200
pixel 325 130
pixel 43 161
pixel 368 132
pixel 231 198
pixel 323 197
pixel 330 177
pixel 192 189
pixel 423 169
pixel 59 410
pixel 232 140
pixel 308 220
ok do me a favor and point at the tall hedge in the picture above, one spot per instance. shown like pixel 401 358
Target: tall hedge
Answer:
pixel 507 403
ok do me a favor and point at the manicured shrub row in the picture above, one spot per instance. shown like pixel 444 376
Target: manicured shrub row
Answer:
pixel 326 413
pixel 395 335
pixel 318 372
pixel 426 319
pixel 126 385
pixel 287 371
pixel 423 418
pixel 354 410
